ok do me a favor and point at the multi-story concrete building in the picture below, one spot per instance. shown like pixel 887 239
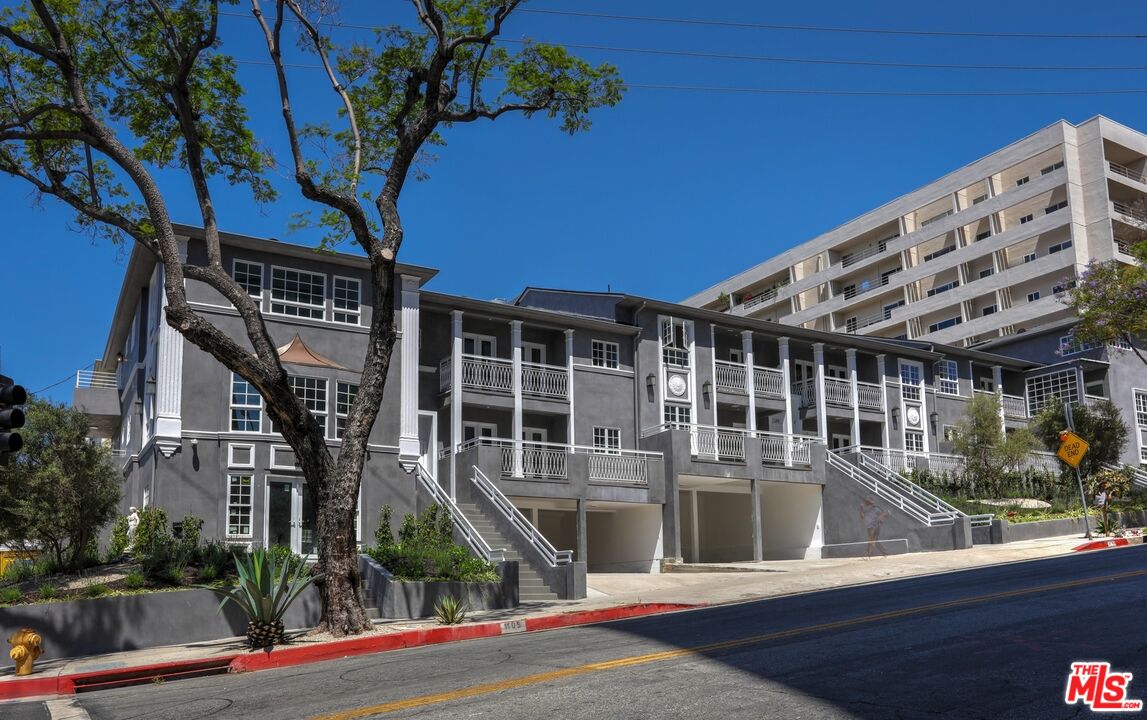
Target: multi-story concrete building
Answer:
pixel 977 255
pixel 570 431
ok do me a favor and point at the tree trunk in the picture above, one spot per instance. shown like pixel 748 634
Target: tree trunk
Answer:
pixel 336 502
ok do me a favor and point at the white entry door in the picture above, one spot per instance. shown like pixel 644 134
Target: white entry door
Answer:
pixel 290 518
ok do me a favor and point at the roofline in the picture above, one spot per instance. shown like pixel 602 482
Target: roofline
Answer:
pixel 560 319
pixel 600 293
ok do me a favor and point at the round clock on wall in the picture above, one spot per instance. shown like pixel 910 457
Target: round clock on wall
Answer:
pixel 677 385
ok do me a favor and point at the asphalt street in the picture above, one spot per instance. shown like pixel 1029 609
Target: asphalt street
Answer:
pixel 995 642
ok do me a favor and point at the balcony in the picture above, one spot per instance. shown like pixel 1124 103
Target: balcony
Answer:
pixel 838 393
pixel 1129 211
pixel 97 395
pixel 1015 406
pixel 497 375
pixel 737 445
pixel 767 382
pixel 1127 172
pixel 552 461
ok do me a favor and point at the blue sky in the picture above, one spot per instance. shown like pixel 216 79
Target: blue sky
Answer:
pixel 670 191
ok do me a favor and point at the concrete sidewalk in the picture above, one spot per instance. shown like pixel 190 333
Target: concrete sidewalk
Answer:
pixel 611 597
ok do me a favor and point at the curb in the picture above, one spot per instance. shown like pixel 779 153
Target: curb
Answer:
pixel 288 656
pixel 1104 544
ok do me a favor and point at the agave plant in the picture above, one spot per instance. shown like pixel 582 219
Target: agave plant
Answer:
pixel 450 610
pixel 266 589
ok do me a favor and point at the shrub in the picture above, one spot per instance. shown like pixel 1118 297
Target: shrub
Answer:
pixel 117 546
pixel 189 534
pixel 284 555
pixel 48 591
pixel 450 610
pixel 10 595
pixel 134 581
pixel 215 553
pixel 209 574
pixel 18 571
pixel 152 529
pixel 97 590
pixel 266 589
pixel 425 550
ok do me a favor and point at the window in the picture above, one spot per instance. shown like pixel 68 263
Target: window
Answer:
pixel 1070 345
pixel 936 218
pixel 979 199
pixel 984 235
pixel 886 276
pixel 1051 168
pixel 344 395
pixel 942 251
pixel 950 322
pixel 1141 408
pixel 1029 257
pixel 678 415
pixel 1062 385
pixel 987 272
pixel 988 310
pixel 606 439
pixel 914 441
pixel 1059 246
pixel 313 393
pixel 1033 296
pixel 944 288
pixel 887 309
pixel 481 345
pixel 240 456
pixel 1026 219
pixel 249 275
pixel 297 293
pixel 1052 208
pixel 987 384
pixel 947 377
pixel 472 430
pixel 911 376
pixel 534 353
pixel 604 354
pixel 239 505
pixel 737 355
pixel 1022 181
pixel 674 342
pixel 346 300
pixel 246 406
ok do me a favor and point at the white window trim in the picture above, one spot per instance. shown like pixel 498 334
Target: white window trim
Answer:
pixel 605 346
pixel 335 310
pixel 262 276
pixel 1135 405
pixel 338 415
pixel 271 295
pixel 955 378
pixel 232 406
pixel 477 338
pixel 250 507
pixel 276 465
pixel 535 346
pixel 606 450
pixel 325 414
pixel 232 463
pixel 477 427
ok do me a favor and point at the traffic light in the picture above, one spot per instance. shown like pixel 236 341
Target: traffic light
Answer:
pixel 11 417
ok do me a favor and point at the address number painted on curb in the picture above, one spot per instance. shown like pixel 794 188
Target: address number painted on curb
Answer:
pixel 513 626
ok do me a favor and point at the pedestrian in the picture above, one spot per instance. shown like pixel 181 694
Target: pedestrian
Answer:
pixel 873 517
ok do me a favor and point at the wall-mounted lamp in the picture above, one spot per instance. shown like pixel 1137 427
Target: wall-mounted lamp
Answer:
pixel 895 418
pixel 151 383
pixel 194 442
pixel 935 418
pixel 119 358
pixel 651 386
pixel 707 391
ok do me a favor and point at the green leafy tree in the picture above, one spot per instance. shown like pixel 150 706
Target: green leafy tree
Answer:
pixel 100 95
pixel 60 490
pixel 1100 425
pixel 1110 296
pixel 990 454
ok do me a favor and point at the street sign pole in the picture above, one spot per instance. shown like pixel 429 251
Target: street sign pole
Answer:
pixel 1078 475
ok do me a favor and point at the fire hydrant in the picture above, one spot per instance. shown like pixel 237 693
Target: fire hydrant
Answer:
pixel 25 649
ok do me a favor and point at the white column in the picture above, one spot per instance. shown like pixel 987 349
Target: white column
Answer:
pixel 516 346
pixel 850 355
pixel 786 381
pixel 712 370
pixel 408 445
pixel 750 383
pixel 168 376
pixel 881 369
pixel 570 434
pixel 998 381
pixel 821 409
pixel 694 518
pixel 455 398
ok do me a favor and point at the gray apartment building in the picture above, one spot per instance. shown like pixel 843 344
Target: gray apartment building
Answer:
pixel 975 256
pixel 570 431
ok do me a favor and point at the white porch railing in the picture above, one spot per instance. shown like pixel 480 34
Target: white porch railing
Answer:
pixel 733 377
pixel 714 443
pixel 781 449
pixel 769 382
pixel 630 467
pixel 888 485
pixel 728 444
pixel 1014 406
pixel 476 542
pixel 838 392
pixel 762 297
pixel 96 379
pixel 551 460
pixel 1041 461
pixel 730 376
pixel 529 533
pixel 1092 401
pixel 806 391
pixel 870 395
pixel 497 375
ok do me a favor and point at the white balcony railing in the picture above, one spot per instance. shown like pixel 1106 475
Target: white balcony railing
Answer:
pixel 870 396
pixel 781 449
pixel 1014 406
pixel 96 379
pixel 762 297
pixel 1093 401
pixel 838 392
pixel 731 376
pixel 1126 172
pixel 729 444
pixel 1129 211
pixel 497 375
pixel 769 382
pixel 551 461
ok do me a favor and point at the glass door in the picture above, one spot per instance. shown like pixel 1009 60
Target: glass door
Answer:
pixel 291 518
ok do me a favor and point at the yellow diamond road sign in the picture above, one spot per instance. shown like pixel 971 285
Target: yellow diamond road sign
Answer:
pixel 1072 448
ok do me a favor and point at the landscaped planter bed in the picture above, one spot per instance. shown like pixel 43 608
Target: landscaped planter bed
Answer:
pixel 1002 531
pixel 395 598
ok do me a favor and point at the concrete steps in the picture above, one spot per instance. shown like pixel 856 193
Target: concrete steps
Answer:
pixel 531 587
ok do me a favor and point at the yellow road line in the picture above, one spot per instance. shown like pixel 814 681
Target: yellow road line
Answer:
pixel 488 688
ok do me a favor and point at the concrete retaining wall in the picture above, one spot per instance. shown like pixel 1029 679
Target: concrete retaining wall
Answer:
pixel 1002 531
pixel 397 599
pixel 130 622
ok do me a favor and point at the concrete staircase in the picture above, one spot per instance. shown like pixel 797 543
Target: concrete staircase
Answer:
pixel 531 587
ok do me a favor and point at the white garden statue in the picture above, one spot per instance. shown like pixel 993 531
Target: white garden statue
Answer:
pixel 132 524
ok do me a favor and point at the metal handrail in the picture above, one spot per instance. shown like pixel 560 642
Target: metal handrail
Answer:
pixel 889 484
pixel 96 379
pixel 472 537
pixel 1126 172
pixel 529 533
pixel 874 484
pixel 1129 211
pixel 942 507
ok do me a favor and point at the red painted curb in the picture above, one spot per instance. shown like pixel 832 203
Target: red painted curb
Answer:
pixel 1102 544
pixel 299 655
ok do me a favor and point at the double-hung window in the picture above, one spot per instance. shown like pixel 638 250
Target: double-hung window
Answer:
pixel 1141 408
pixel 606 440
pixel 298 293
pixel 345 297
pixel 678 414
pixel 313 392
pixel 246 406
pixel 239 505
pixel 344 397
pixel 249 275
pixel 947 378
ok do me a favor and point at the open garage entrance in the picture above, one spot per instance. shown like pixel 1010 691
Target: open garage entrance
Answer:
pixel 620 537
pixel 716 520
